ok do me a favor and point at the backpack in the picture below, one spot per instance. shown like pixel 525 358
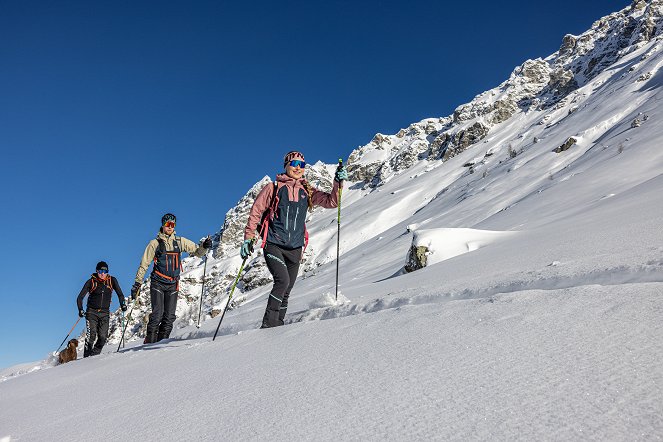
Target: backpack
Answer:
pixel 167 265
pixel 107 282
pixel 269 214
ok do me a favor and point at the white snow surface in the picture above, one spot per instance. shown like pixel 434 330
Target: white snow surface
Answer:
pixel 549 329
pixel 446 243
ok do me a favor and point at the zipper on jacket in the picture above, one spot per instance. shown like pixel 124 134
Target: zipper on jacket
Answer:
pixel 294 225
pixel 103 295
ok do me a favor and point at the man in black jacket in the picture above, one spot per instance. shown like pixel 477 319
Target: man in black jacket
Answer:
pixel 100 287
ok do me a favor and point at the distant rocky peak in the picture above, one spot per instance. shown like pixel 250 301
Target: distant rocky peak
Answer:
pixel 535 85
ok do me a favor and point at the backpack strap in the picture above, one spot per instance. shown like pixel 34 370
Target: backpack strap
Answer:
pixel 107 282
pixel 161 249
pixel 268 215
pixel 177 249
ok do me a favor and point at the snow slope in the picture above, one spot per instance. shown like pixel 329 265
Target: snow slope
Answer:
pixel 537 317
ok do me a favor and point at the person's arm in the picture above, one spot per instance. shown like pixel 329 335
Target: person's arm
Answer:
pixel 186 245
pixel 324 199
pixel 145 262
pixel 84 291
pixel 259 206
pixel 118 290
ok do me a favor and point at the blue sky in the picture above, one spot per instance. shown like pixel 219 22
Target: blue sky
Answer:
pixel 115 112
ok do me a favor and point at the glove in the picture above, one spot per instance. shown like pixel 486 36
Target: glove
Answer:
pixel 341 174
pixel 207 243
pixel 134 290
pixel 247 248
pixel 123 306
pixel 81 313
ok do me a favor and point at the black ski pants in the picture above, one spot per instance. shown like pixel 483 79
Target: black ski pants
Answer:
pixel 97 331
pixel 164 303
pixel 283 264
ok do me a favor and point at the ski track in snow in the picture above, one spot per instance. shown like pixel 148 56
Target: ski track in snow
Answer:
pixel 652 272
pixel 514 367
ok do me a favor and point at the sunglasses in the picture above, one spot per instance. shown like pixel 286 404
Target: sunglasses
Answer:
pixel 102 271
pixel 298 163
pixel 169 224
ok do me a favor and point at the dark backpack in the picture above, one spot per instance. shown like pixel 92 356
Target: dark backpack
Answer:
pixel 268 215
pixel 107 282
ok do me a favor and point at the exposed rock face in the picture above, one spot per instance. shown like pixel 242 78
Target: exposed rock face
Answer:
pixel 359 170
pixel 256 274
pixel 534 85
pixel 321 176
pixel 562 83
pixel 462 139
pixel 567 145
pixel 416 258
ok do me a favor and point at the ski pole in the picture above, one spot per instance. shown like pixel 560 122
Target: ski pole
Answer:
pixel 128 319
pixel 202 291
pixel 231 294
pixel 122 319
pixel 338 234
pixel 72 329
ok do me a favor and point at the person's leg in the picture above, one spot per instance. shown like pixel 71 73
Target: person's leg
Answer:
pixel 91 320
pixel 170 294
pixel 279 270
pixel 102 333
pixel 292 261
pixel 156 296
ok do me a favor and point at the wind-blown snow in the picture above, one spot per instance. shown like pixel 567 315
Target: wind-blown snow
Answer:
pixel 548 329
pixel 446 243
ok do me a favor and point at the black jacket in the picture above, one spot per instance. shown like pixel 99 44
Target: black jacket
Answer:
pixel 100 293
pixel 288 228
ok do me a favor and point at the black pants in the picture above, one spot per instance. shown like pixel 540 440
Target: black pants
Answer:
pixel 164 302
pixel 97 332
pixel 283 264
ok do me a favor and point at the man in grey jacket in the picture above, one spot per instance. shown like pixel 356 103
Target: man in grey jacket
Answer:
pixel 165 252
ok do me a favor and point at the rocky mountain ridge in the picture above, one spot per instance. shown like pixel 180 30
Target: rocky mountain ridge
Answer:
pixel 550 88
pixel 533 86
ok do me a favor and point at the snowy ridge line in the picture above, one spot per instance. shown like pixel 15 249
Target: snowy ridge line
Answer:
pixel 651 272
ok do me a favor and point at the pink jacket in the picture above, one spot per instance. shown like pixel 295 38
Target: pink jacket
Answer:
pixel 264 198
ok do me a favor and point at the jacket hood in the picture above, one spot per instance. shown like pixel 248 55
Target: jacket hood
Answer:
pixel 284 178
pixel 98 279
pixel 165 237
pixel 293 185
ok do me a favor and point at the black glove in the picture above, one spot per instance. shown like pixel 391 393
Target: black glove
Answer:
pixel 134 290
pixel 123 306
pixel 207 243
pixel 81 313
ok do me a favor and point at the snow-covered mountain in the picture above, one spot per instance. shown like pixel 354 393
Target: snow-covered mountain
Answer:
pixel 509 256
pixel 537 109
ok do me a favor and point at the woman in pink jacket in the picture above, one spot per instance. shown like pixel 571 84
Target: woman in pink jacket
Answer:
pixel 279 212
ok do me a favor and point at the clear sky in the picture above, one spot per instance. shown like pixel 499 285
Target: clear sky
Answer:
pixel 115 112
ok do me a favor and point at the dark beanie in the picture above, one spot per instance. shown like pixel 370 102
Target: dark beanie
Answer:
pixel 168 217
pixel 101 265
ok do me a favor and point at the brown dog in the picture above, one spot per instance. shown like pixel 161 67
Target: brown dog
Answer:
pixel 69 353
